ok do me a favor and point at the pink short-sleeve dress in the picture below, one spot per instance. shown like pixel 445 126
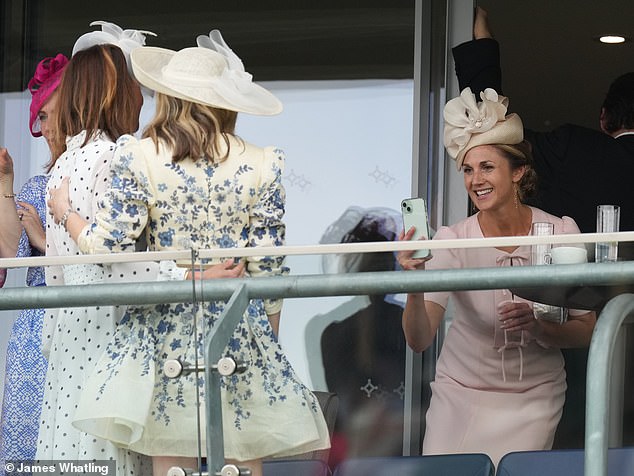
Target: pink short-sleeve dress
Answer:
pixel 494 391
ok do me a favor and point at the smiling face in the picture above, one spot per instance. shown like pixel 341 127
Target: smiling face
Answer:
pixel 488 178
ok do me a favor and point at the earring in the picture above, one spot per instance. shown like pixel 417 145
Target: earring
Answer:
pixel 516 196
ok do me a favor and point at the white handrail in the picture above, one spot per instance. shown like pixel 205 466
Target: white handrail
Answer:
pixel 340 248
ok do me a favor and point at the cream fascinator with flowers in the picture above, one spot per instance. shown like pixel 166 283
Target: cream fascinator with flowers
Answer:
pixel 469 123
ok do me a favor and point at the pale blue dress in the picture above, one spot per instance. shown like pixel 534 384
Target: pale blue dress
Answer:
pixel 25 364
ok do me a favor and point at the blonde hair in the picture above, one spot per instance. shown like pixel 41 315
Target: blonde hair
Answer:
pixel 191 129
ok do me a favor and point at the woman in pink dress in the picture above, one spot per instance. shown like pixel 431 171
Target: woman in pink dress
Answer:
pixel 500 379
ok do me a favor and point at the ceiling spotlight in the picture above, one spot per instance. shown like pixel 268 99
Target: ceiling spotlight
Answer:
pixel 612 39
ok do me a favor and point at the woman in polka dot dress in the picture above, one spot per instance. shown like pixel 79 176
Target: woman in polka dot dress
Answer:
pixel 76 337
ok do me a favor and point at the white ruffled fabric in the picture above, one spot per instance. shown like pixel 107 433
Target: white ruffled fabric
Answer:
pixel 112 34
pixel 235 84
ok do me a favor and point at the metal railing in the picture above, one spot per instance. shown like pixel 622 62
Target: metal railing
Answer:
pixel 240 290
pixel 618 312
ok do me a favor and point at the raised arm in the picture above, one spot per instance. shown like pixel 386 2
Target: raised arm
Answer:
pixel 478 61
pixel 421 318
pixel 481 27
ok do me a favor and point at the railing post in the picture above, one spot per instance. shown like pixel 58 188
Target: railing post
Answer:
pixel 216 342
pixel 617 312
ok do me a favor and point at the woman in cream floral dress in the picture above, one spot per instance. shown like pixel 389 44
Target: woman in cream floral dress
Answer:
pixel 191 182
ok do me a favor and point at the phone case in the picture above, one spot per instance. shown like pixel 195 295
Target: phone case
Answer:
pixel 414 213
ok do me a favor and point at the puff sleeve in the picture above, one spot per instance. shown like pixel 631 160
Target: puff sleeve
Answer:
pixel 122 212
pixel 266 221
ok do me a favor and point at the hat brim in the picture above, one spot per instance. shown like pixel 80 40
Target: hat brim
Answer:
pixel 148 64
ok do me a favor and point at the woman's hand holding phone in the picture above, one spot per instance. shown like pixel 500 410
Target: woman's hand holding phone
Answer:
pixel 415 227
pixel 405 258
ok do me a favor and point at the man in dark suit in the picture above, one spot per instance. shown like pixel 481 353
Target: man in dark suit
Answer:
pixel 578 169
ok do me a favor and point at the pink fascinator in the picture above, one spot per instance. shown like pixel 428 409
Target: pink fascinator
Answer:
pixel 469 123
pixel 112 34
pixel 44 82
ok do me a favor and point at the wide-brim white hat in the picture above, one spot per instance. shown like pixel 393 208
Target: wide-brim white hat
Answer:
pixel 203 76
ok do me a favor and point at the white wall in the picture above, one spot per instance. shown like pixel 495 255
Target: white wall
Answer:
pixel 347 143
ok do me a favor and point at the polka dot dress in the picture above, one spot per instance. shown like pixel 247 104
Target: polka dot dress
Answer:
pixel 75 338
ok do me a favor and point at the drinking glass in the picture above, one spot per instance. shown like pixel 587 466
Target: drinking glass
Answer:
pixel 608 217
pixel 541 255
pixel 546 312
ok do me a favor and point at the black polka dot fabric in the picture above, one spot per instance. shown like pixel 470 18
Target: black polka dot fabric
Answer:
pixel 74 338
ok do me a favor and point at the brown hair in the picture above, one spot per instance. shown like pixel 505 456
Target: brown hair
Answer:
pixel 96 94
pixel 521 155
pixel 191 129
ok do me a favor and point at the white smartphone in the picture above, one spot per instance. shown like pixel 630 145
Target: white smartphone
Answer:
pixel 414 213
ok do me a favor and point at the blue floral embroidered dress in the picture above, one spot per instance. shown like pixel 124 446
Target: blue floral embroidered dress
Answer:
pixel 25 364
pixel 74 338
pixel 267 411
